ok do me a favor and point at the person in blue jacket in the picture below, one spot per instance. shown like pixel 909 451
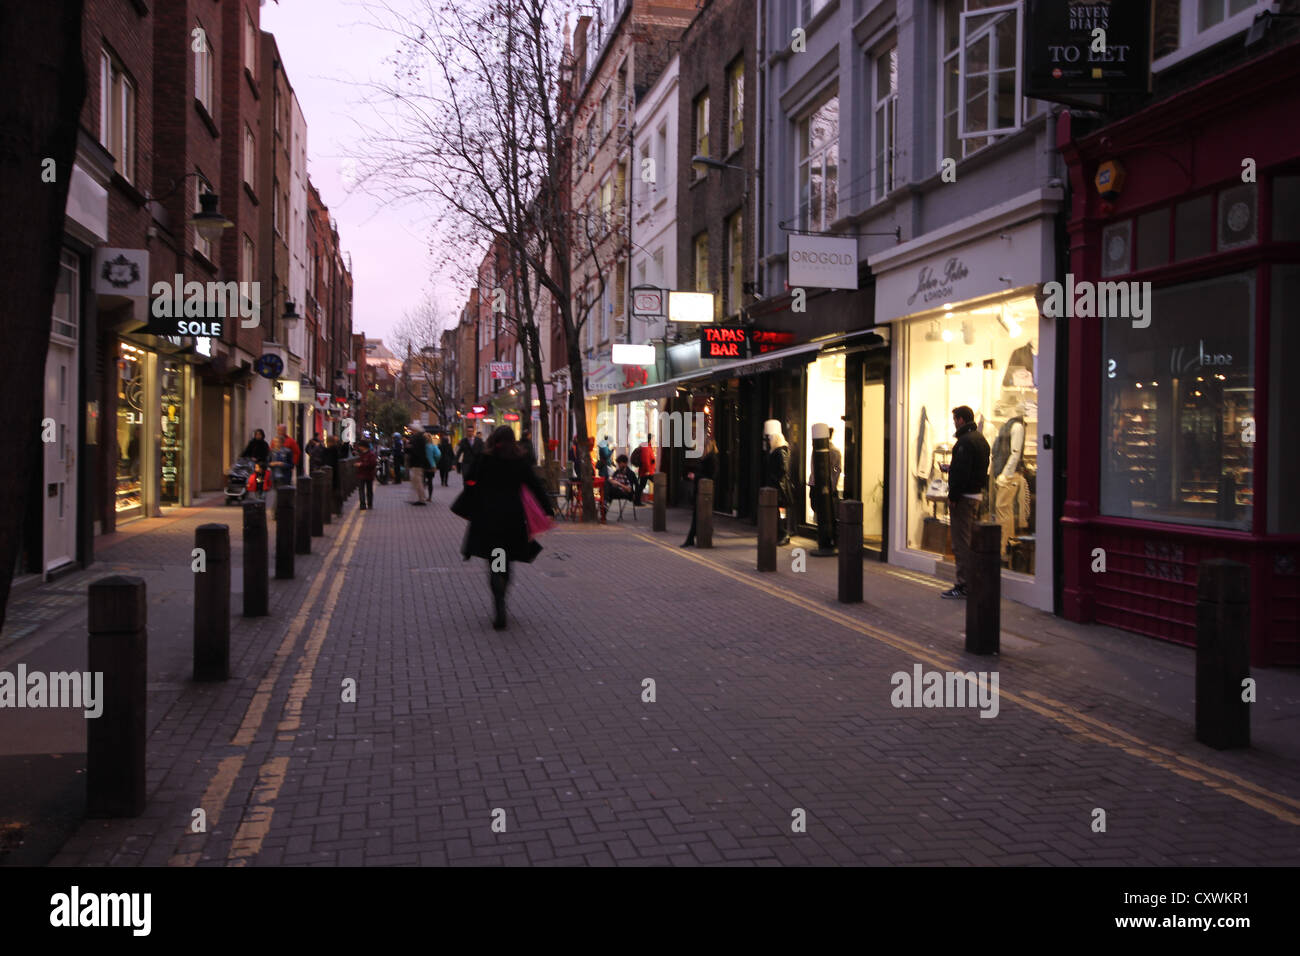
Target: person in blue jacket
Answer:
pixel 433 455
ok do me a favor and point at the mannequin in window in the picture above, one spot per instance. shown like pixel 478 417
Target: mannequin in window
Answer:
pixel 777 475
pixel 1008 474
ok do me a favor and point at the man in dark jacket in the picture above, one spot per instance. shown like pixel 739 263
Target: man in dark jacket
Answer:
pixel 968 479
pixel 416 463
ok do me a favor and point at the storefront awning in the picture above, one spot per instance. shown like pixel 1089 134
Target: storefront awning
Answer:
pixel 643 393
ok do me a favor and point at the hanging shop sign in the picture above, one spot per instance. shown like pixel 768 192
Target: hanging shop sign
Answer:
pixel 624 354
pixel 269 366
pixel 349 429
pixel 511 416
pixel 286 390
pixel 323 401
pixel 121 271
pixel 648 302
pixel 822 262
pixel 306 394
pixel 1086 47
pixel 690 307
pixel 768 340
pixel 724 342
pixel 477 411
pixel 504 371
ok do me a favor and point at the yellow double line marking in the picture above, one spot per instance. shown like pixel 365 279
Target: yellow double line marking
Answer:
pixel 254 827
pixel 1221 781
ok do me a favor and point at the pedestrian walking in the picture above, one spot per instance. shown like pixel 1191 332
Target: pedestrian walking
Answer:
pixel 416 462
pixel 281 462
pixel 431 456
pixel 705 467
pixel 257 448
pixel 526 446
pixel 643 459
pixel 464 455
pixel 398 450
pixel 331 455
pixel 446 458
pixel 495 505
pixel 315 452
pixel 367 464
pixel 259 482
pixel 968 479
pixel 282 433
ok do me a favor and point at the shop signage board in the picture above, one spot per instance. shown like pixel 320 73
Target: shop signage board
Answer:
pixel 724 342
pixel 503 371
pixel 768 340
pixel 121 271
pixel 647 301
pixel 1065 58
pixel 626 354
pixel 323 401
pixel 696 307
pixel 822 262
pixel 286 390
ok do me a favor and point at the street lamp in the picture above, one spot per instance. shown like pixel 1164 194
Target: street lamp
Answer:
pixel 209 223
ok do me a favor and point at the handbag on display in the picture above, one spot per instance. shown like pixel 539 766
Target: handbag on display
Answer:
pixel 937 490
pixel 535 517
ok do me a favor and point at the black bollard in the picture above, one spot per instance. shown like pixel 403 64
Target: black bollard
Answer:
pixel 303 516
pixel 285 530
pixel 257 587
pixel 317 503
pixel 212 604
pixel 115 740
pixel 984 590
pixel 327 496
pixel 850 525
pixel 704 514
pixel 768 514
pixel 1222 653
pixel 659 481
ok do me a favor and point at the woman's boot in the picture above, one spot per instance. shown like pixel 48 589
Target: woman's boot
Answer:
pixel 499 600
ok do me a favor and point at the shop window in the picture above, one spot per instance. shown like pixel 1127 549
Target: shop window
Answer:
pixel 886 121
pixel 173 431
pixel 986 358
pixel 1193 235
pixel 825 406
pixel 1153 239
pixel 1238 216
pixel 819 167
pixel 1179 405
pixel 1284 398
pixel 1116 248
pixel 1286 208
pixel 128 496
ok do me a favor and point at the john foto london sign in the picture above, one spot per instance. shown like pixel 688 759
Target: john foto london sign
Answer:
pixel 938 284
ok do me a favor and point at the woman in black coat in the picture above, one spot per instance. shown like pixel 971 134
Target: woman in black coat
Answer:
pixel 446 458
pixel 257 448
pixel 497 526
pixel 705 467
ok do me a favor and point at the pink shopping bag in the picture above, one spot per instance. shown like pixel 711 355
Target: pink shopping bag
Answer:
pixel 534 515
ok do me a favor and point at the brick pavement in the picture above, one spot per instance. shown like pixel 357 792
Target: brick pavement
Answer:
pixel 770 698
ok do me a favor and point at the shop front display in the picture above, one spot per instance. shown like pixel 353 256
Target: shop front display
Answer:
pixel 174 377
pixel 825 404
pixel 986 358
pixel 129 478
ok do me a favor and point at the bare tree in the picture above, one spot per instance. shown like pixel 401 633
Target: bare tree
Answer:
pixel 40 47
pixel 418 337
pixel 477 121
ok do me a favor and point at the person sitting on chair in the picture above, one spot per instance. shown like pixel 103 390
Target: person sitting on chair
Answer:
pixel 621 484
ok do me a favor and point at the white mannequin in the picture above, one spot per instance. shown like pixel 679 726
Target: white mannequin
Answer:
pixel 1017 446
pixel 1008 480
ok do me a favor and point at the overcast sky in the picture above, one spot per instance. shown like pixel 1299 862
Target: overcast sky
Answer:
pixel 327 50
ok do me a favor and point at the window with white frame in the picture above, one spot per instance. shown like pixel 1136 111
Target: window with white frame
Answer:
pixel 250 45
pixel 885 121
pixel 117 114
pixel 819 172
pixel 246 271
pixel 981 74
pixel 606 308
pixel 250 157
pixel 645 161
pixel 1184 28
pixel 202 245
pixel 809 9
pixel 277 223
pixel 662 168
pixel 203 70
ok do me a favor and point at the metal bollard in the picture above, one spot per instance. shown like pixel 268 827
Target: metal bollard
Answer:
pixel 327 495
pixel 768 514
pixel 317 503
pixel 704 514
pixel 659 482
pixel 984 591
pixel 285 530
pixel 303 517
pixel 212 604
pixel 115 740
pixel 850 543
pixel 257 591
pixel 1222 653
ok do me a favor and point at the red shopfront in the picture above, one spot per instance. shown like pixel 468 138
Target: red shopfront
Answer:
pixel 1181 443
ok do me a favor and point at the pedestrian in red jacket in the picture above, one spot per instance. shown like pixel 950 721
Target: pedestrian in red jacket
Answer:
pixel 260 480
pixel 366 465
pixel 283 432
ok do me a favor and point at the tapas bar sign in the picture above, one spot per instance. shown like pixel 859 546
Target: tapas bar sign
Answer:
pixel 724 342
pixel 1080 47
